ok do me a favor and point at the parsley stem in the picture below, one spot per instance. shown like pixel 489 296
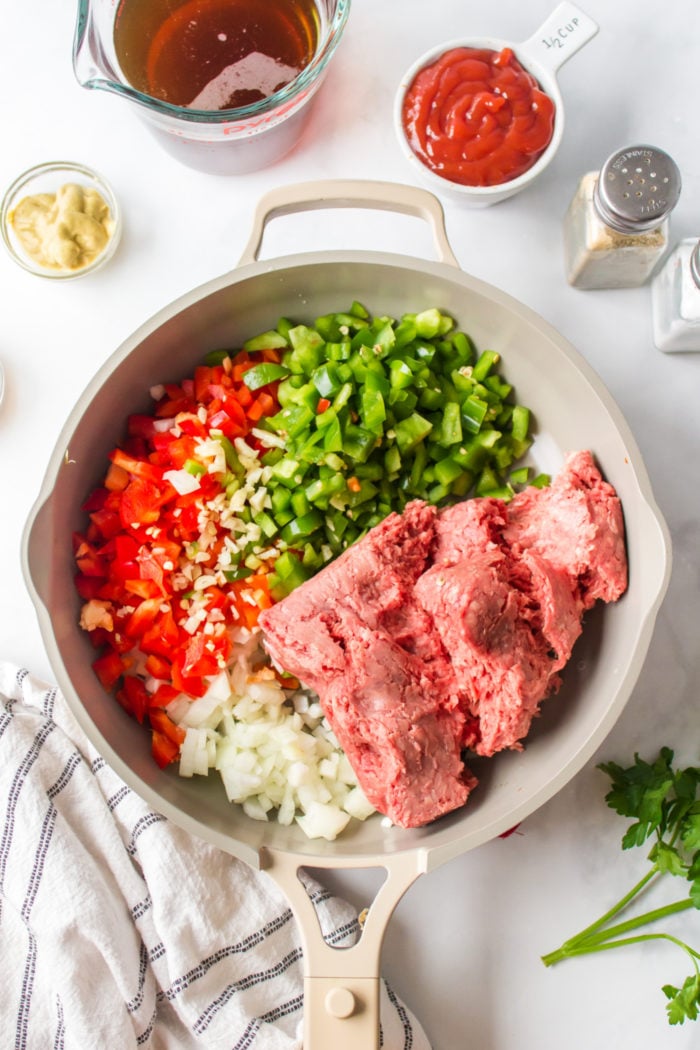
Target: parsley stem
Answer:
pixel 612 912
pixel 602 946
pixel 640 920
pixel 594 942
pixel 664 805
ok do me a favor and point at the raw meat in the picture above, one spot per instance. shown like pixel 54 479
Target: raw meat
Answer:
pixel 357 636
pixel 576 525
pixel 440 631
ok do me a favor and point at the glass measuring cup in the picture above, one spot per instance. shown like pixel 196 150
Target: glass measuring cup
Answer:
pixel 218 141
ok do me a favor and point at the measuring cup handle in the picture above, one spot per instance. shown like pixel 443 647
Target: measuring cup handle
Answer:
pixel 345 193
pixel 564 33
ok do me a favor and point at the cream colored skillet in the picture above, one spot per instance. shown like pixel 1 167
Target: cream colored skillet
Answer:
pixel 572 410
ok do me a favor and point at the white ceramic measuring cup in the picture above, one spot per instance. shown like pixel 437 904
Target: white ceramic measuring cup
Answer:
pixel 563 34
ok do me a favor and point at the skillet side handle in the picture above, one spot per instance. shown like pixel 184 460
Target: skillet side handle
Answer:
pixel 342 985
pixel 349 193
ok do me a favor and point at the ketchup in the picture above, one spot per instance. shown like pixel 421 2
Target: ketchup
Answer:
pixel 476 117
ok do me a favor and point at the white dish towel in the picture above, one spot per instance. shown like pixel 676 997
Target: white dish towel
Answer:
pixel 119 930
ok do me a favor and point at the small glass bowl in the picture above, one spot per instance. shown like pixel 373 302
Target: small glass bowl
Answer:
pixel 48 178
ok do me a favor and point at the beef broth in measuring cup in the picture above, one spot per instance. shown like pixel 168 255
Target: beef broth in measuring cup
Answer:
pixel 224 85
pixel 214 54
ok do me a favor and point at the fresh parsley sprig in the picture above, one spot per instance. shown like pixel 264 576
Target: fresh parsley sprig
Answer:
pixel 664 805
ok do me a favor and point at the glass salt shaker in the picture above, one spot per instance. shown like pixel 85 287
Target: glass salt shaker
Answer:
pixel 675 299
pixel 616 227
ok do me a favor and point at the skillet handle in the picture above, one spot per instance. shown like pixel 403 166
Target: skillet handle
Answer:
pixel 348 193
pixel 341 985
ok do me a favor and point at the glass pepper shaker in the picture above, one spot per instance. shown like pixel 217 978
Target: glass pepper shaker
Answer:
pixel 675 299
pixel 616 227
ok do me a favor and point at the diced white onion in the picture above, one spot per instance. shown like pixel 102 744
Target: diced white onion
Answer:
pixel 357 805
pixel 205 711
pixel 219 687
pixel 268 438
pixel 194 753
pixel 277 756
pixel 182 481
pixel 323 821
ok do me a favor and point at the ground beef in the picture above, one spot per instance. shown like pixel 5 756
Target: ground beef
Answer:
pixel 357 636
pixel 440 631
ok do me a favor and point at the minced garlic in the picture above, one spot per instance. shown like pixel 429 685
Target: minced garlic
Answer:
pixel 66 230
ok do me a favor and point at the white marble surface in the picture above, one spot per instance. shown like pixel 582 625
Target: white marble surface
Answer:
pixel 464 945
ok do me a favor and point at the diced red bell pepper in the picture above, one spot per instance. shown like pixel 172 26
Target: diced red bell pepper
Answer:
pixel 139 468
pixel 143 589
pixel 96 500
pixel 109 668
pixel 164 751
pixel 162 722
pixel 140 425
pixel 141 503
pixel 122 558
pixel 123 550
pixel 202 382
pixel 197 660
pixel 174 405
pixel 150 569
pixel 178 450
pixel 159 667
pixel 193 426
pixel 190 685
pixel 116 478
pixel 162 638
pixel 90 563
pixel 107 522
pixel 244 396
pixel 99 638
pixel 142 618
pixel 133 696
pixel 221 420
pixel 163 695
pixel 88 587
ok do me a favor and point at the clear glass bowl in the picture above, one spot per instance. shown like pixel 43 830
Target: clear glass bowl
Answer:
pixel 48 178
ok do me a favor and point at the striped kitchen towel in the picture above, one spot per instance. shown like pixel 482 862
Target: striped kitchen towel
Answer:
pixel 119 930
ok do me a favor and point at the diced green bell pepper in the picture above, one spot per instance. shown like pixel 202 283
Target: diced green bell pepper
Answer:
pixel 262 374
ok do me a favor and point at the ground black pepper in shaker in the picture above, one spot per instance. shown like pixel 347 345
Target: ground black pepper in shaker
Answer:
pixel 616 227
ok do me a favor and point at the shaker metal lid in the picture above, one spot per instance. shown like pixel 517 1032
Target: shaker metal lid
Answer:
pixel 637 188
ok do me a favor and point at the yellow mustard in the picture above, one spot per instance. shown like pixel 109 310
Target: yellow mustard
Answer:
pixel 65 230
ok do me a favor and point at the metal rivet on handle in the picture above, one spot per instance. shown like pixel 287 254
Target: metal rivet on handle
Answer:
pixel 340 1002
